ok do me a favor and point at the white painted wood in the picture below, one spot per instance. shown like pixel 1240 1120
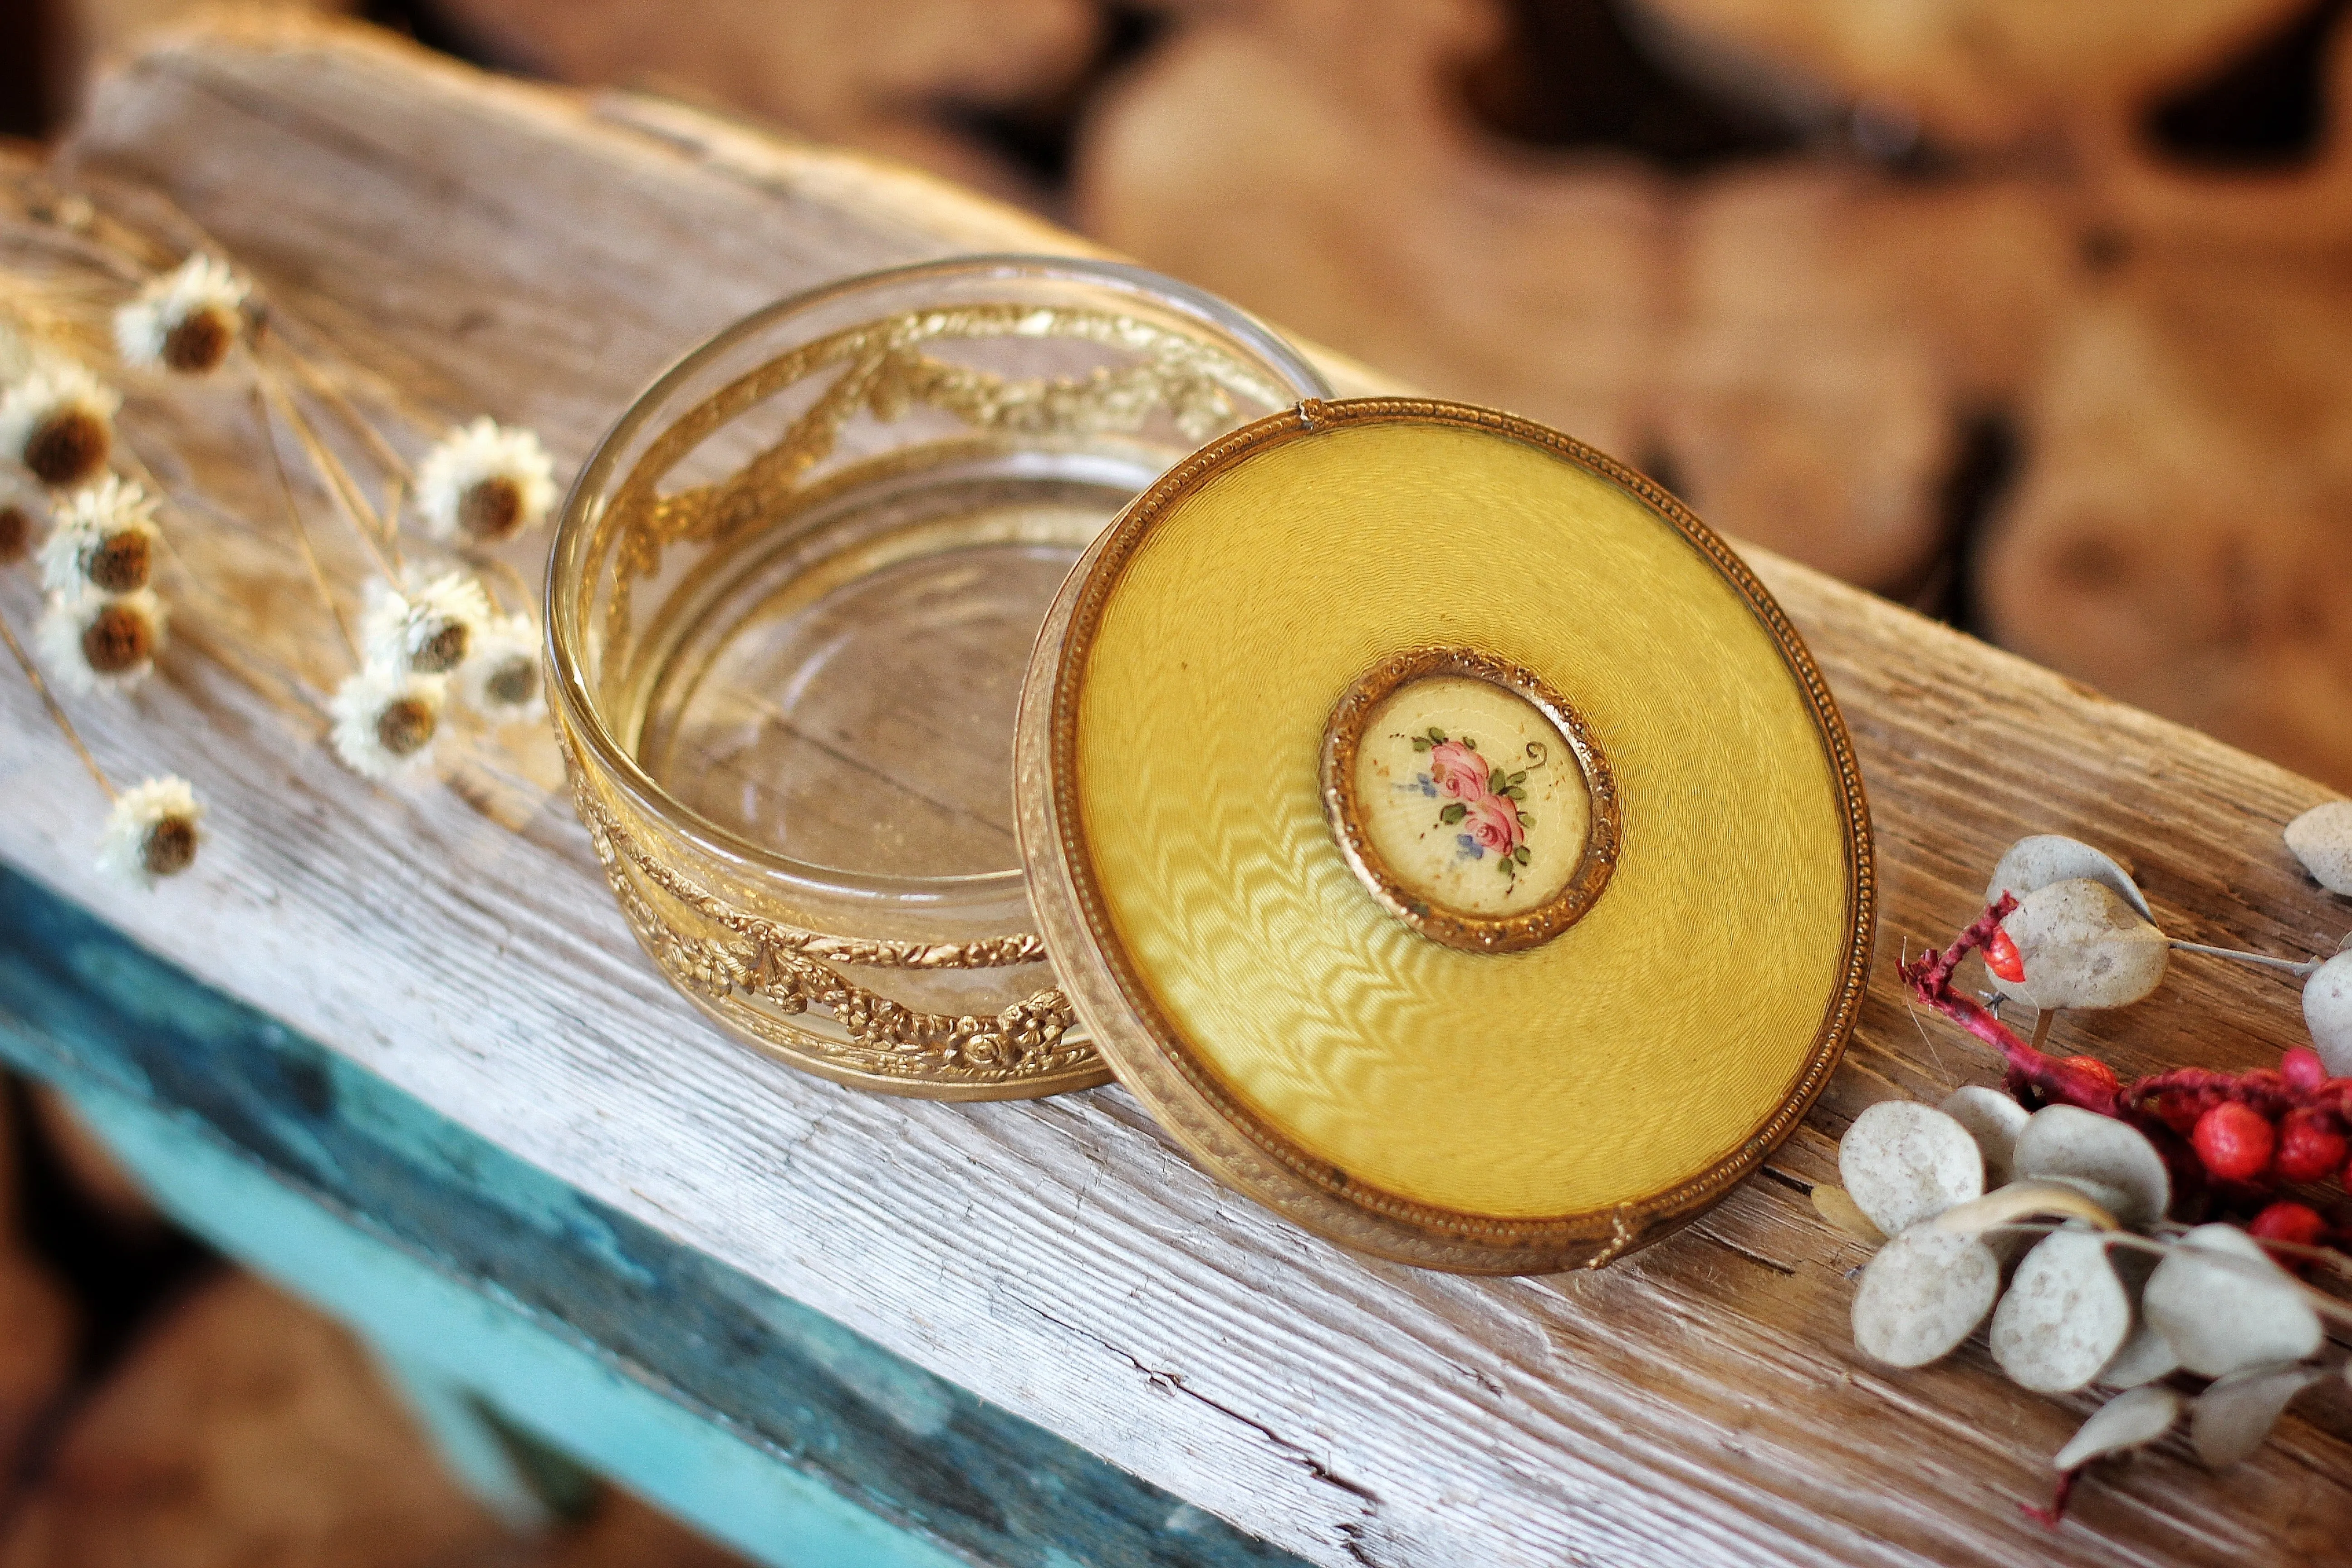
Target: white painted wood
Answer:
pixel 494 246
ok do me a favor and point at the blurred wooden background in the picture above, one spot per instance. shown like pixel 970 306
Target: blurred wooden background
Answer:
pixel 2035 314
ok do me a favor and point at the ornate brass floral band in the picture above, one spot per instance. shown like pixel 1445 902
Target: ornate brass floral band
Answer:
pixel 760 975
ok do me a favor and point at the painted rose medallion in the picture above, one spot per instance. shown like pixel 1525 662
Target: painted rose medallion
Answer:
pixel 1469 798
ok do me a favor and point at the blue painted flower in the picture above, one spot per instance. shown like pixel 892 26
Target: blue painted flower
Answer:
pixel 1470 847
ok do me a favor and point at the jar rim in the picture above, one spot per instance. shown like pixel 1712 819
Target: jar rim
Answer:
pixel 578 712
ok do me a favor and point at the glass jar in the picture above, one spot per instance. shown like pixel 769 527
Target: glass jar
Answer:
pixel 792 598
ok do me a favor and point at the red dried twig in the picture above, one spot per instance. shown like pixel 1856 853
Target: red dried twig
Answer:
pixel 2059 1079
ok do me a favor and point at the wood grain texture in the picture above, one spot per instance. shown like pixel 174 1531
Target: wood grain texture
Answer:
pixel 538 256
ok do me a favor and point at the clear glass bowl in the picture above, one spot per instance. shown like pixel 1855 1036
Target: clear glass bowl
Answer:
pixel 792 599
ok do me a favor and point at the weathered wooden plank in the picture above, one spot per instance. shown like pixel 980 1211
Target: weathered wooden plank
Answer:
pixel 767 1424
pixel 537 255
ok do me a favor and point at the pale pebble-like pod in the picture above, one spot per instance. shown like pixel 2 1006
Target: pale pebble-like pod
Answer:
pixel 1922 1294
pixel 2327 1013
pixel 2064 1316
pixel 2132 1418
pixel 1835 1204
pixel 1903 1161
pixel 2034 862
pixel 2230 1419
pixel 2065 1140
pixel 2322 839
pixel 2225 1306
pixel 1994 1121
pixel 2083 946
pixel 2145 1356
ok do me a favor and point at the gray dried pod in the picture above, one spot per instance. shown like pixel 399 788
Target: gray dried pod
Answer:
pixel 2322 839
pixel 2064 1317
pixel 2230 1419
pixel 2225 1306
pixel 2137 1416
pixel 1903 1161
pixel 2081 946
pixel 2065 1140
pixel 1923 1293
pixel 2145 1356
pixel 1994 1121
pixel 2034 863
pixel 2327 1013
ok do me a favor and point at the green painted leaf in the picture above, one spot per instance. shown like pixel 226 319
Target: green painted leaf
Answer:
pixel 1422 742
pixel 1453 814
pixel 1521 855
pixel 1519 777
pixel 1526 821
pixel 1437 734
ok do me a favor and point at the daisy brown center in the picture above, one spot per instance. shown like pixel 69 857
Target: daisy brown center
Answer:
pixel 120 562
pixel 169 848
pixel 69 448
pixel 16 534
pixel 514 683
pixel 117 639
pixel 491 509
pixel 198 343
pixel 441 650
pixel 404 727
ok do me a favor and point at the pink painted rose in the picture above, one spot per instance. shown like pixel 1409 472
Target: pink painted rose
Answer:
pixel 1457 771
pixel 1494 822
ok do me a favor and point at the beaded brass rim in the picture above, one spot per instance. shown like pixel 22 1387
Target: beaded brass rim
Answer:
pixel 1513 932
pixel 1229 1137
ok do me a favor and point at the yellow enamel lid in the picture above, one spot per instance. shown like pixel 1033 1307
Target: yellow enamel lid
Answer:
pixel 1445 834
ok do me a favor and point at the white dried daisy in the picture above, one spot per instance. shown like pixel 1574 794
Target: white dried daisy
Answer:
pixel 95 642
pixel 20 518
pixel 186 320
pixel 104 539
pixel 385 720
pixel 485 481
pixel 428 625
pixel 151 833
pixel 57 422
pixel 502 680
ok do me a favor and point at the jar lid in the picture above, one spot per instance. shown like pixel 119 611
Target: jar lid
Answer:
pixel 1445 834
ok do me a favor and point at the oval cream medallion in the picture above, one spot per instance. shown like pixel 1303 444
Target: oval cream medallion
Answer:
pixel 1469 798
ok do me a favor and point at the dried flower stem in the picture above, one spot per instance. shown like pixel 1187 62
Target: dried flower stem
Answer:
pixel 491 568
pixel 1930 978
pixel 323 386
pixel 301 528
pixel 341 486
pixel 57 712
pixel 2300 970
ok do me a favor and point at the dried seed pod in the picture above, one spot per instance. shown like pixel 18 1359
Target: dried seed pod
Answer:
pixel 2034 863
pixel 2065 1140
pixel 2322 839
pixel 58 423
pixel 1903 1161
pixel 152 832
pixel 2327 1013
pixel 186 320
pixel 2064 1317
pixel 2136 1417
pixel 2225 1306
pixel 1835 1204
pixel 2230 1419
pixel 1994 1121
pixel 2083 946
pixel 2145 1356
pixel 1923 1293
pixel 485 483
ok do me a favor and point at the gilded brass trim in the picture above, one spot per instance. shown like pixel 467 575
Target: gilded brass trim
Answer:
pixel 1342 736
pixel 1148 1057
pixel 756 975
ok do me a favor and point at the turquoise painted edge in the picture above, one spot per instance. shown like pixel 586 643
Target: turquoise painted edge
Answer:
pixel 774 1512
pixel 201 1089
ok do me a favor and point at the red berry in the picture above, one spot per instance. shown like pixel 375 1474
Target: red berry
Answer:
pixel 2234 1141
pixel 2180 1111
pixel 2093 1068
pixel 2296 1223
pixel 2303 1068
pixel 2003 959
pixel 2309 1146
